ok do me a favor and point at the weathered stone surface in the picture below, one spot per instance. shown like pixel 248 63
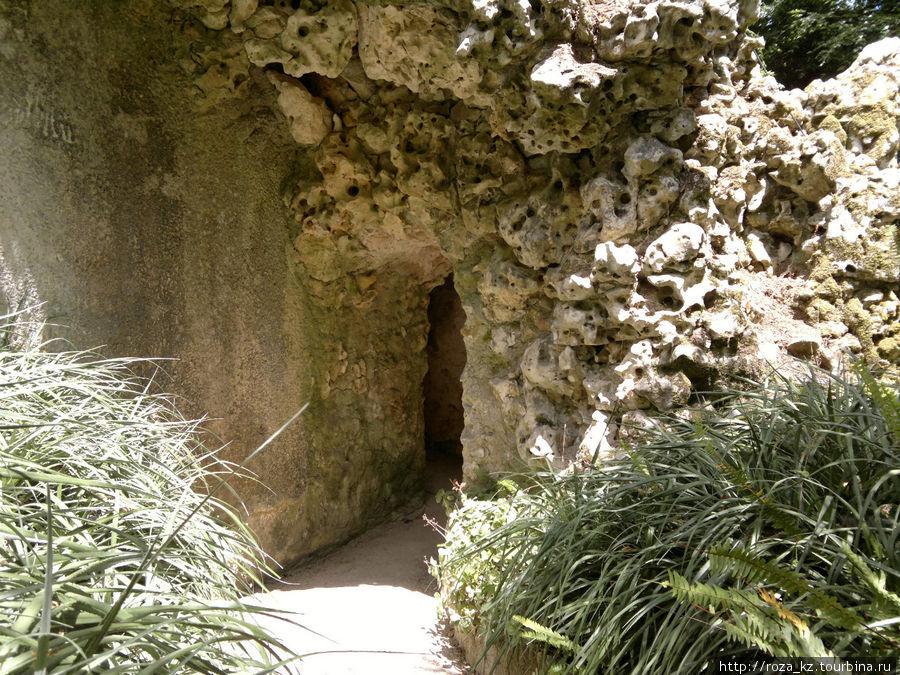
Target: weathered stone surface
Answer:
pixel 149 221
pixel 629 208
pixel 310 117
pixel 313 38
pixel 415 46
pixel 680 243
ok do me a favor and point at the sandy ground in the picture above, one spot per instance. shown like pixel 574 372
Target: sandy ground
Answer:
pixel 369 607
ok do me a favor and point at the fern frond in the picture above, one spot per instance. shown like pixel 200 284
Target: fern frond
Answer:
pixel 748 567
pixel 706 595
pixel 782 634
pixel 765 628
pixel 532 630
pixel 783 612
pixel 876 581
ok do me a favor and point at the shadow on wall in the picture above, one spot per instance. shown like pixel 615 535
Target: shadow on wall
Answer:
pixel 446 359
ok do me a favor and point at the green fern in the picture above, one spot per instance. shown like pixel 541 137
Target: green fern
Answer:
pixel 752 569
pixel 738 632
pixel 532 630
pixel 756 620
pixel 876 581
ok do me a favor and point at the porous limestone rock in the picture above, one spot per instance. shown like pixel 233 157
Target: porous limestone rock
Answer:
pixel 600 178
pixel 415 46
pixel 310 117
pixel 630 209
pixel 680 243
pixel 316 37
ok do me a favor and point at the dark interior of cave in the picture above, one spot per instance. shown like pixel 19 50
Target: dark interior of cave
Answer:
pixel 442 385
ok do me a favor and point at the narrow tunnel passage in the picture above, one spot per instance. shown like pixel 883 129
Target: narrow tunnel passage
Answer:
pixel 442 386
pixel 369 606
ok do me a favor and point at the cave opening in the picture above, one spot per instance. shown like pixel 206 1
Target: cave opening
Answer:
pixel 442 386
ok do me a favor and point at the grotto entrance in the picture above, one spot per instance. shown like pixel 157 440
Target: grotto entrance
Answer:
pixel 370 605
pixel 442 388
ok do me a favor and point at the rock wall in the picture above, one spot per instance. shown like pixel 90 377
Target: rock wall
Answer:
pixel 630 210
pixel 150 222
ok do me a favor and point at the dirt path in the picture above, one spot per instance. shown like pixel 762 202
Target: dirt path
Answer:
pixel 372 601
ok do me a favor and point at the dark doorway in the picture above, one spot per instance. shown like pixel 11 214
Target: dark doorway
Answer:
pixel 442 387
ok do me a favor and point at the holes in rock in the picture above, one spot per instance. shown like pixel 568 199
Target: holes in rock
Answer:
pixel 315 84
pixel 442 386
pixel 667 301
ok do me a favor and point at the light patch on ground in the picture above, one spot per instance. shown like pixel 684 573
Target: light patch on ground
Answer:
pixel 369 607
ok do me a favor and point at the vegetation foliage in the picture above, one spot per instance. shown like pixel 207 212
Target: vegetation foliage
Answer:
pixel 113 556
pixel 764 524
pixel 809 39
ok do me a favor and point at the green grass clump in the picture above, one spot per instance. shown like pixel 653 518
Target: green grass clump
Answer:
pixel 113 556
pixel 765 524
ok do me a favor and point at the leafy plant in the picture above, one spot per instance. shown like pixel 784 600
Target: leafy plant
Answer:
pixel 466 588
pixel 528 629
pixel 806 39
pixel 115 553
pixel 766 523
